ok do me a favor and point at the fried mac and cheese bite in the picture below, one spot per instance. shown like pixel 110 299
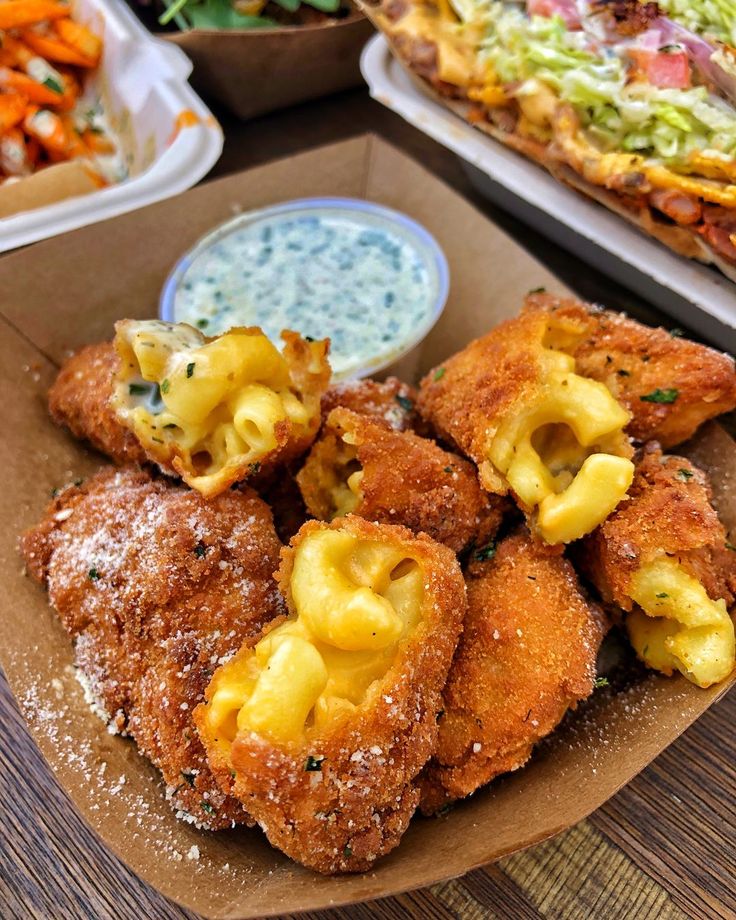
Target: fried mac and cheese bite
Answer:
pixel 515 404
pixel 669 384
pixel 79 399
pixel 663 556
pixel 157 586
pixel 359 465
pixel 326 723
pixel 216 410
pixel 527 654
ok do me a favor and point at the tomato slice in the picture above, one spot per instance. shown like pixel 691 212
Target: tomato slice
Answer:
pixel 666 69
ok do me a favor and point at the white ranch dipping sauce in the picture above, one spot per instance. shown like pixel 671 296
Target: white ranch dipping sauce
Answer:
pixel 367 277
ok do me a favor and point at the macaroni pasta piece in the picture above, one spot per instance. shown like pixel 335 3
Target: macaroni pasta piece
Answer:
pixel 662 556
pixel 678 626
pixel 325 723
pixel 360 465
pixel 217 410
pixel 514 402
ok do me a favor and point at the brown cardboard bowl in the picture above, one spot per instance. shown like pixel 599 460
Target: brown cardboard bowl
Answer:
pixel 254 71
pixel 69 290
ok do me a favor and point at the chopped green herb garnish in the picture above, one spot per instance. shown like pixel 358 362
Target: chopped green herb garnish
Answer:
pixel 601 682
pixel 486 552
pixel 199 550
pixel 313 764
pixel 448 469
pixel 406 404
pixel 676 333
pixel 53 84
pixel 205 806
pixel 137 389
pixel 538 290
pixel 661 396
pixel 188 778
pixel 439 373
pixel 190 369
pixel 165 386
pixel 202 323
pixel 663 594
pixel 93 574
pixel 309 338
pixel 348 851
pixel 683 475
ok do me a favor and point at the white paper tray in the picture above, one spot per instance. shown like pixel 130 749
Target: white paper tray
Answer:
pixel 143 84
pixel 696 295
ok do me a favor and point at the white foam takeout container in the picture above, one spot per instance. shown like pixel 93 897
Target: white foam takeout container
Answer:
pixel 142 84
pixel 697 295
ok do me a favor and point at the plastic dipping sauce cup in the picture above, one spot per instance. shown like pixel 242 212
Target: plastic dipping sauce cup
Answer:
pixel 372 279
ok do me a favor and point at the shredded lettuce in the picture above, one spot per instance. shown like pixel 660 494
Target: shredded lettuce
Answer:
pixel 637 117
pixel 715 19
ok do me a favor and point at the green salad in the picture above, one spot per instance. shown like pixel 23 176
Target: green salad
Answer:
pixel 619 114
pixel 239 14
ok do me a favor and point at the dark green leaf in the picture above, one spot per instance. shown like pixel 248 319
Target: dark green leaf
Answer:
pixel 199 550
pixel 683 475
pixel 601 682
pixel 53 85
pixel 93 574
pixel 661 396
pixel 486 552
pixel 439 373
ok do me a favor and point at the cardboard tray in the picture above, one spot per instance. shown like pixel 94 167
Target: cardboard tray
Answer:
pixel 67 291
pixel 697 295
pixel 254 71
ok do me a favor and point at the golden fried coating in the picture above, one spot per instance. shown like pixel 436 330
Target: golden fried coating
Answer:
pixel 327 723
pixel 79 398
pixel 669 511
pixel 664 556
pixel 391 400
pixel 670 385
pixel 158 586
pixel 527 654
pixel 513 402
pixel 359 465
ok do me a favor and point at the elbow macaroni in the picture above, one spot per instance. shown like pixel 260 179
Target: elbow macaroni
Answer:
pixel 212 409
pixel 678 626
pixel 565 454
pixel 354 601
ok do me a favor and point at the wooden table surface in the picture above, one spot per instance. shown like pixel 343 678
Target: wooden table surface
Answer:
pixel 664 847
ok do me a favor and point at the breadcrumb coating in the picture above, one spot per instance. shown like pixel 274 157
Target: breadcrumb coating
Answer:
pixel 527 654
pixel 157 587
pixel 404 479
pixel 669 384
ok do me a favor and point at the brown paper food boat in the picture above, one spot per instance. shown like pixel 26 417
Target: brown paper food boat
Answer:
pixel 67 291
pixel 254 71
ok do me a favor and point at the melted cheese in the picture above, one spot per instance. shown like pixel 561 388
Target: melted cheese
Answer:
pixel 678 626
pixel 354 601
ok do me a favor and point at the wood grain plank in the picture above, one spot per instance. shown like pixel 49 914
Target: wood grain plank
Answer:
pixel 581 874
pixel 677 820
